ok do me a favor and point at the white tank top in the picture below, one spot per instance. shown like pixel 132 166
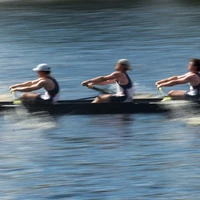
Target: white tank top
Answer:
pixel 125 90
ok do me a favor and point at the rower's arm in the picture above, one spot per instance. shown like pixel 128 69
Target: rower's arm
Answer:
pixel 33 87
pixel 25 84
pixel 167 80
pixel 176 82
pixel 107 82
pixel 172 78
pixel 102 80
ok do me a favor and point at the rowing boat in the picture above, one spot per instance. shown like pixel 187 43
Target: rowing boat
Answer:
pixel 86 107
pixel 151 105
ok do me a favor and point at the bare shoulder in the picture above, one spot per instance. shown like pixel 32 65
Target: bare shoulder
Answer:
pixel 42 80
pixel 191 76
pixel 36 81
pixel 117 73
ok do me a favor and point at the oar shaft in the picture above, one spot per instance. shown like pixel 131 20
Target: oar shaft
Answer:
pixel 14 95
pixel 86 98
pixel 16 99
pixel 100 90
pixel 103 91
pixel 162 92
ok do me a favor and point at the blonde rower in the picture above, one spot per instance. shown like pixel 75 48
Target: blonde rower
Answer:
pixel 123 82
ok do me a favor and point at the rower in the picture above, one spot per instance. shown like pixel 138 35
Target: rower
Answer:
pixel 123 83
pixel 192 77
pixel 45 81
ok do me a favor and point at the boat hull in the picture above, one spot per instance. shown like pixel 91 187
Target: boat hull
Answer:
pixel 86 107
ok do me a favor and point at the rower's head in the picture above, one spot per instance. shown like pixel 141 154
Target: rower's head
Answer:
pixel 123 65
pixel 194 65
pixel 42 70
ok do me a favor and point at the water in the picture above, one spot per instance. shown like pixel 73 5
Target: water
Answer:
pixel 98 157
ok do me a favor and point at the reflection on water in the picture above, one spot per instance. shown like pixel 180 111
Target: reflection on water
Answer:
pixel 107 156
pixel 104 156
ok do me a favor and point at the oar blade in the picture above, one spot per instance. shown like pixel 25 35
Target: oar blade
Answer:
pixel 167 99
pixel 17 102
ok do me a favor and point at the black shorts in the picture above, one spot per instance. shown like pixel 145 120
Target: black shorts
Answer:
pixel 118 99
pixel 39 100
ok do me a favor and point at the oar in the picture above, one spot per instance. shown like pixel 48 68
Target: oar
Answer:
pixel 164 94
pixel 16 100
pixel 103 91
pixel 85 98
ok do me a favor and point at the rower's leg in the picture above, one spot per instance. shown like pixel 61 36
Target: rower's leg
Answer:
pixel 29 97
pixel 177 94
pixel 102 99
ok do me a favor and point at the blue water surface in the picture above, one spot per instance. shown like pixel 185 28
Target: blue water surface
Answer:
pixel 151 156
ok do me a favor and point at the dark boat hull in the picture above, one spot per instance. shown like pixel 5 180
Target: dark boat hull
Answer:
pixel 86 107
